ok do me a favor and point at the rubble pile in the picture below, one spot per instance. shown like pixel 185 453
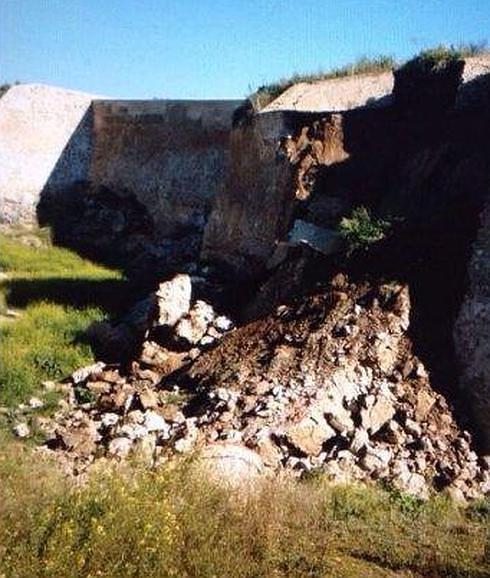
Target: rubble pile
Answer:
pixel 328 383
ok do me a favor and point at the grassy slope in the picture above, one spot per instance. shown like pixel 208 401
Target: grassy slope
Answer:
pixel 57 295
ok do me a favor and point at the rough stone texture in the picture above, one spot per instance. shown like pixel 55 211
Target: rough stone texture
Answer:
pixel 336 94
pixel 152 170
pixel 37 123
pixel 299 390
pixel 169 155
pixel 230 463
pixel 472 333
pixel 254 208
pixel 316 162
pixel 173 300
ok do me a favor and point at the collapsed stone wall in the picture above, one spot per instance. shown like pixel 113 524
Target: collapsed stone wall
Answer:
pixel 425 166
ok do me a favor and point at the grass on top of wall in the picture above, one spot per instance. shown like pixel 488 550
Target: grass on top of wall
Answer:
pixel 173 522
pixel 266 93
pixel 54 295
pixel 269 92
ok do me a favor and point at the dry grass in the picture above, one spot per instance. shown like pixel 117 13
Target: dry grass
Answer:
pixel 171 523
pixel 269 92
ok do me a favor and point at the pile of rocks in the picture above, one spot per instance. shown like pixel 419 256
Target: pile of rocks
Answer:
pixel 329 383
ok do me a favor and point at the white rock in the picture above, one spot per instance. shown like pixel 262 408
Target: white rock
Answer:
pixel 21 430
pixel 133 431
pixel 109 419
pixel 193 327
pixel 222 323
pixel 376 460
pixel 231 463
pixel 359 441
pixel 119 447
pixel 412 427
pixel 376 416
pixel 173 300
pixel 153 421
pixel 35 403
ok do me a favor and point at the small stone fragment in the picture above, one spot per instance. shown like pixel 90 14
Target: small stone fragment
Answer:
pixel 21 430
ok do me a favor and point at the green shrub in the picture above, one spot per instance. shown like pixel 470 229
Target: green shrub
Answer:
pixel 361 229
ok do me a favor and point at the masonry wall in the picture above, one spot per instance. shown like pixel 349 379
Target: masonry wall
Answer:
pixel 150 171
pixel 169 155
pixel 39 125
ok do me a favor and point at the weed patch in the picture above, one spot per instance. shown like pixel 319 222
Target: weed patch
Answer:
pixel 171 522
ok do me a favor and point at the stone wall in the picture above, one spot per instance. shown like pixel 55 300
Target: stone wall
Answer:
pixel 472 333
pixel 320 149
pixel 169 155
pixel 133 186
pixel 39 125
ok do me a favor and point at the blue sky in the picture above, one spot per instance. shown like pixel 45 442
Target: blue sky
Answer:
pixel 214 48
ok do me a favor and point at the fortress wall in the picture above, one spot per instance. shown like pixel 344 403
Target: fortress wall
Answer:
pixel 169 156
pixel 37 123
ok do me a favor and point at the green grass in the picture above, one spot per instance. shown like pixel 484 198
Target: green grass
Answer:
pixel 18 258
pixel 57 295
pixel 172 522
pixel 269 92
pixel 266 93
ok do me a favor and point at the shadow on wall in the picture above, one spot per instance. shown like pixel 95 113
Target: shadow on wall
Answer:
pixel 93 222
pixel 133 186
pixel 430 169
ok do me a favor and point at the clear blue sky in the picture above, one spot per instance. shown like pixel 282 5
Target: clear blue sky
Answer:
pixel 214 48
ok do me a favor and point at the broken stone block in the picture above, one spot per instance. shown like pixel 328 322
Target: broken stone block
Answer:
pixel 222 323
pixel 173 300
pixel 193 326
pixel 80 439
pixel 119 447
pixel 109 419
pixel 376 460
pixel 309 435
pixel 231 463
pixel 80 375
pixel 424 404
pixel 153 421
pixel 375 417
pixel 148 398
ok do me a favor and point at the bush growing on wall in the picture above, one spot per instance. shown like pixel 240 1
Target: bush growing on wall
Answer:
pixel 362 229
